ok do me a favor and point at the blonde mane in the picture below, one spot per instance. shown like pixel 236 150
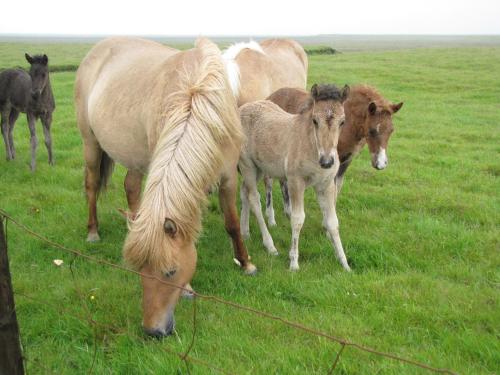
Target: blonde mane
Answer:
pixel 200 120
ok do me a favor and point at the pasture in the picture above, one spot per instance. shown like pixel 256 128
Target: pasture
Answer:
pixel 421 236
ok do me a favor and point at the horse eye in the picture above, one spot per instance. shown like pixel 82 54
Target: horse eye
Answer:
pixel 373 132
pixel 342 123
pixel 170 273
pixel 315 122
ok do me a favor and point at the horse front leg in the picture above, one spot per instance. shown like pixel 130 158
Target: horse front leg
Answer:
pixel 250 193
pixel 14 114
pixel 33 139
pixel 132 185
pixel 327 197
pixel 227 200
pixel 5 133
pixel 296 187
pixel 46 122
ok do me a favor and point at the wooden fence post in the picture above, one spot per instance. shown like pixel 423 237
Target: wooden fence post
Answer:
pixel 11 359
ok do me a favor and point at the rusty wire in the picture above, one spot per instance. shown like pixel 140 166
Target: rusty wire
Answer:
pixel 184 356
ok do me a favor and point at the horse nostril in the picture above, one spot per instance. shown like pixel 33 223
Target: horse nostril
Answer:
pixel 160 333
pixel 326 163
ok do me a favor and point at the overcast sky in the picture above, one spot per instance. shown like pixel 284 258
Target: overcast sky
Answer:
pixel 251 17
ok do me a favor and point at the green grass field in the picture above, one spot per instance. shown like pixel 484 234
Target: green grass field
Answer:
pixel 422 237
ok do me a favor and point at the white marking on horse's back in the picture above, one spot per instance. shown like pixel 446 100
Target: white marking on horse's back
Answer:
pixel 232 68
pixel 233 75
pixel 232 51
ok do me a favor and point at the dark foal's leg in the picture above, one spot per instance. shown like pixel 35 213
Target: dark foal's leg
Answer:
pixel 227 198
pixel 5 132
pixel 46 122
pixel 14 114
pixel 132 185
pixel 33 140
pixel 93 155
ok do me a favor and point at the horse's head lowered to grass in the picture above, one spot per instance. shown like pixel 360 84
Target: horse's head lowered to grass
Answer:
pixel 199 122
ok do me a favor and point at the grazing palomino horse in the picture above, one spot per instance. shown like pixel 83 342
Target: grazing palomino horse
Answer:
pixel 300 148
pixel 368 120
pixel 264 68
pixel 29 93
pixel 172 115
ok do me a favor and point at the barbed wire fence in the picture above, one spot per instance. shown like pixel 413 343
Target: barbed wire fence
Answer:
pixel 185 356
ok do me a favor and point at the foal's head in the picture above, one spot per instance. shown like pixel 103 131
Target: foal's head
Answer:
pixel 368 108
pixel 379 129
pixel 325 111
pixel 39 73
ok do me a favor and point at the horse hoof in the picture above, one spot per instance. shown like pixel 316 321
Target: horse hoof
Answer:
pixel 347 268
pixel 250 269
pixel 245 235
pixel 273 252
pixel 93 237
pixel 188 294
pixel 294 267
pixel 272 223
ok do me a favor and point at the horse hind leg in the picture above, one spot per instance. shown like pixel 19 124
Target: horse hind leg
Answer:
pixel 286 198
pixel 93 155
pixel 268 183
pixel 250 182
pixel 14 114
pixel 5 133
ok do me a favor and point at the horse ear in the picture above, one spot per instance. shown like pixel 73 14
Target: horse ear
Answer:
pixel 396 107
pixel 28 58
pixel 345 92
pixel 314 91
pixel 170 227
pixel 45 60
pixel 372 108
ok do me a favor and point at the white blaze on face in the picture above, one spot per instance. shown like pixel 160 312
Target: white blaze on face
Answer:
pixel 381 159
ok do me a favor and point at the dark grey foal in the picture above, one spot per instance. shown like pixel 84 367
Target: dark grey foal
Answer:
pixel 31 94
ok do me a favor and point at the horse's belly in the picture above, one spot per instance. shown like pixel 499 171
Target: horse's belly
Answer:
pixel 125 142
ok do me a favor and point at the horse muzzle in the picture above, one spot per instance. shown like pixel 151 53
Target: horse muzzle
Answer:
pixel 35 94
pixel 160 332
pixel 326 162
pixel 379 160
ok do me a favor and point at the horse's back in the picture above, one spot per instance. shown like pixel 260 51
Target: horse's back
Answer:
pixel 15 87
pixel 116 86
pixel 118 58
pixel 265 126
pixel 289 99
pixel 283 64
pixel 263 116
pixel 291 59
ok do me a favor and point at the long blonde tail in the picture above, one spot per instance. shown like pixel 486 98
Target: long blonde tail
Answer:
pixel 201 119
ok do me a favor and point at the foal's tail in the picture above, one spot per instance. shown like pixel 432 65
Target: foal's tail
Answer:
pixel 201 120
pixel 105 171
